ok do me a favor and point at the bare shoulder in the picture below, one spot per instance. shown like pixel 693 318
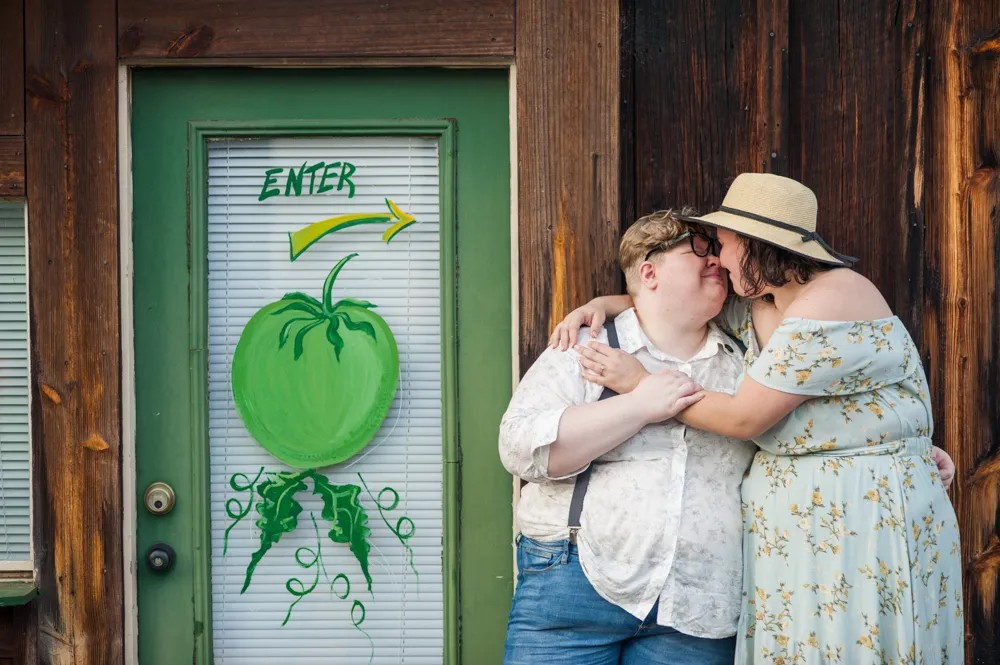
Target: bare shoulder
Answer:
pixel 840 295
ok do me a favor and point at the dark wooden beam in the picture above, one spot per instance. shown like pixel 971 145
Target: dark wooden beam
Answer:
pixel 696 109
pixel 12 67
pixel 193 29
pixel 769 112
pixel 961 314
pixel 71 136
pixel 567 144
pixel 11 166
pixel 627 117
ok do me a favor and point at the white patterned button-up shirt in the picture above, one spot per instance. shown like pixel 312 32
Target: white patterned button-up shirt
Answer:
pixel 661 519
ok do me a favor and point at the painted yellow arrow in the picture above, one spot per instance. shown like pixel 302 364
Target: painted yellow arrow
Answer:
pixel 302 239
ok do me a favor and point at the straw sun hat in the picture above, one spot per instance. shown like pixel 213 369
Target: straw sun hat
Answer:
pixel 780 211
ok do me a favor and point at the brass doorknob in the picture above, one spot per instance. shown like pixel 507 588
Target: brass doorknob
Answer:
pixel 159 498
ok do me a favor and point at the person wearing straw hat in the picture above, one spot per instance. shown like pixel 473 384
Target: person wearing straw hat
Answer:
pixel 851 546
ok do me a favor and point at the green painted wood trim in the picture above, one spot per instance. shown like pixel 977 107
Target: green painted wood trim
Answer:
pixel 201 526
pixel 449 398
pixel 17 592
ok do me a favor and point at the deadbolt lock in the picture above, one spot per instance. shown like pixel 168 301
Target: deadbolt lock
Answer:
pixel 159 498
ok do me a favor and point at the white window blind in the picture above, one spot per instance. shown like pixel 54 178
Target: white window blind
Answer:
pixel 249 266
pixel 15 467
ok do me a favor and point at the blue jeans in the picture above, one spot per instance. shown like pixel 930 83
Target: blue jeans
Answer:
pixel 558 619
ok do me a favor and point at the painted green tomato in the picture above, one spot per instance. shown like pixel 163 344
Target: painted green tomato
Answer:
pixel 313 381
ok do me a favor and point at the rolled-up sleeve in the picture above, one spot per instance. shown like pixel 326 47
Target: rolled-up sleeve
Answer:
pixel 531 424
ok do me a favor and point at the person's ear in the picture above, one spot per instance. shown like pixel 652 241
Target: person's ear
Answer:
pixel 647 275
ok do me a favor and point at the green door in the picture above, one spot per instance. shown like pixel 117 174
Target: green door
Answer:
pixel 322 355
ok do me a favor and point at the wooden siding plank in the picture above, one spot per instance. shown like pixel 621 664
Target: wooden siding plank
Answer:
pixel 189 29
pixel 769 133
pixel 695 81
pixel 855 112
pixel 11 166
pixel 962 300
pixel 11 67
pixel 627 111
pixel 71 134
pixel 567 143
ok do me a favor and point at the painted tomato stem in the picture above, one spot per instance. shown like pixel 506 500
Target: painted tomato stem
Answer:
pixel 328 284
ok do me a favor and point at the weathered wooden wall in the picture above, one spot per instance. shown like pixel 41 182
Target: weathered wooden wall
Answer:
pixel 856 80
pixel 567 148
pixel 789 88
pixel 72 191
pixel 18 636
pixel 890 112
pixel 185 29
pixel 961 305
pixel 11 98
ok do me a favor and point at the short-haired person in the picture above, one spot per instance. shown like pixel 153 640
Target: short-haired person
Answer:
pixel 652 575
pixel 851 547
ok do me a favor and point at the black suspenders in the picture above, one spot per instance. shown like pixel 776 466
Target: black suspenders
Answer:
pixel 583 479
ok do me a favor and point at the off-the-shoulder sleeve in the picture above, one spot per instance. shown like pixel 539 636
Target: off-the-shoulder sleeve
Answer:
pixel 735 317
pixel 806 357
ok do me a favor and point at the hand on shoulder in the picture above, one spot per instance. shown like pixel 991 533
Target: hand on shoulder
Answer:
pixel 839 295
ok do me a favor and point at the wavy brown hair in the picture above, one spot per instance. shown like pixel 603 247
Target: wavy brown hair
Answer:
pixel 764 264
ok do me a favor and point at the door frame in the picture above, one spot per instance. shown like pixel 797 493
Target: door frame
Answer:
pixel 197 131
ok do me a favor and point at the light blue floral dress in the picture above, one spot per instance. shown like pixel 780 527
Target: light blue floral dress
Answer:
pixel 850 544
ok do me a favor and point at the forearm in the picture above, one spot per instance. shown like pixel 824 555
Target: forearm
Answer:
pixel 612 305
pixel 587 431
pixel 726 415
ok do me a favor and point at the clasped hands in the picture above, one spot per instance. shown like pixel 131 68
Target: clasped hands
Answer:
pixel 659 395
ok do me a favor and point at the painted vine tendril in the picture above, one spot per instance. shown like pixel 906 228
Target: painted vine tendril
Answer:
pixel 404 528
pixel 279 510
pixel 239 512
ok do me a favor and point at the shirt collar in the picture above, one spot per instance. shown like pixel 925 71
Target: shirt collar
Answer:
pixel 632 338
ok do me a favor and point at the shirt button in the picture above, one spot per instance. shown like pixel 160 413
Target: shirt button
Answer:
pixel 729 348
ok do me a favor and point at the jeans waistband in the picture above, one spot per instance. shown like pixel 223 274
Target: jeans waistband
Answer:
pixel 915 445
pixel 564 545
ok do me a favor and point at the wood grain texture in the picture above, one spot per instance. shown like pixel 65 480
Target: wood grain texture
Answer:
pixel 769 112
pixel 11 166
pixel 856 83
pixel 961 315
pixel 11 67
pixel 70 133
pixel 192 29
pixel 695 101
pixel 627 114
pixel 18 636
pixel 567 143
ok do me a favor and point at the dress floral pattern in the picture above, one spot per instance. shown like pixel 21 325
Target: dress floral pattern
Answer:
pixel 850 544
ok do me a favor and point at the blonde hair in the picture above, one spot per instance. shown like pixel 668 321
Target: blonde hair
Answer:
pixel 647 234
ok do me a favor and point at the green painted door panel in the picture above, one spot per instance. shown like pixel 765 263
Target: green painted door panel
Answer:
pixel 170 110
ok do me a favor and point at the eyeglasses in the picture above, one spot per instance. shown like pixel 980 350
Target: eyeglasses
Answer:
pixel 702 244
